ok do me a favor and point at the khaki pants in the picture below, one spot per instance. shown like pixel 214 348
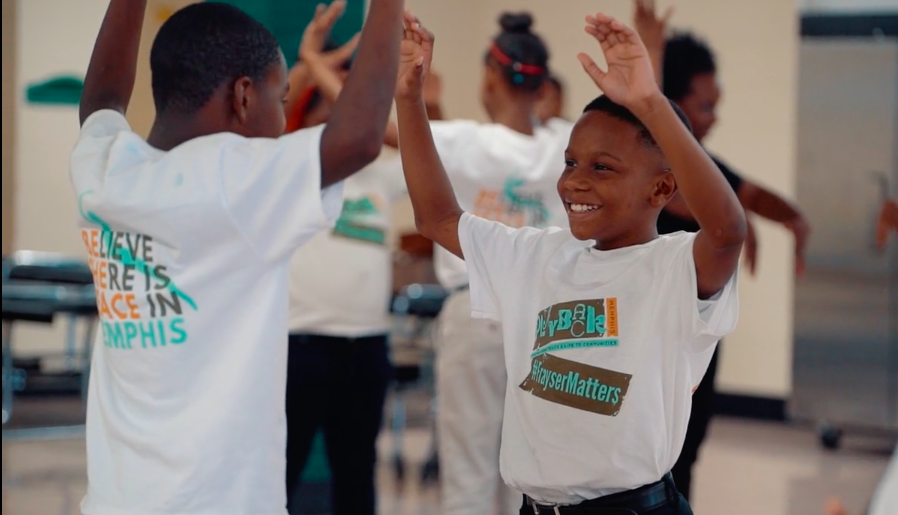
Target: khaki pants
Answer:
pixel 471 382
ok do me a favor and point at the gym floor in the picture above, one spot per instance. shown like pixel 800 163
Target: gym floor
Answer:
pixel 746 468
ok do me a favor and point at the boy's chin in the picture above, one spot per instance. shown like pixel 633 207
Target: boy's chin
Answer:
pixel 583 234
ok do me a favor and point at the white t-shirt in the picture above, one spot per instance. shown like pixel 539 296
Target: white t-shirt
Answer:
pixel 190 250
pixel 499 174
pixel 602 350
pixel 885 500
pixel 560 125
pixel 340 282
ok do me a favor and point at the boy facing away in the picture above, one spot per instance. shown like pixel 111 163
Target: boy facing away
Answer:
pixel 189 235
pixel 607 326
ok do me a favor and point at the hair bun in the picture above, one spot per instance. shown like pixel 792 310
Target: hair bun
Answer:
pixel 519 23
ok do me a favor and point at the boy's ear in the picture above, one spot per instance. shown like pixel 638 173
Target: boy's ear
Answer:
pixel 664 190
pixel 242 98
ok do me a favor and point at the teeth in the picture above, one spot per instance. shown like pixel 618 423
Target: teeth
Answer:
pixel 582 208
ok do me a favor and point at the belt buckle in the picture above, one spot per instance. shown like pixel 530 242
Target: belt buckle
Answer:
pixel 537 505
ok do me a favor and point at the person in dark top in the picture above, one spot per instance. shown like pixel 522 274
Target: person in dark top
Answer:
pixel 686 68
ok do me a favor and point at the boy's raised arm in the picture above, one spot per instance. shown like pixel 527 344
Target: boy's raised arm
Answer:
pixel 113 64
pixel 436 210
pixel 354 133
pixel 652 30
pixel 630 82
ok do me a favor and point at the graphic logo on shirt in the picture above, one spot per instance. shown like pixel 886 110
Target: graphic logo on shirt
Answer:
pixel 140 306
pixel 577 325
pixel 354 221
pixel 510 206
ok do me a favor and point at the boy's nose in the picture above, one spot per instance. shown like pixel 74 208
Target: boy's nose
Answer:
pixel 577 181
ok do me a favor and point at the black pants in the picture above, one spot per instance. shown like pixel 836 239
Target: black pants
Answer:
pixel 703 406
pixel 676 505
pixel 682 508
pixel 337 384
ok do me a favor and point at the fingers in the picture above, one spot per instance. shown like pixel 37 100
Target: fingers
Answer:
pixel 346 49
pixel 411 23
pixel 618 33
pixel 409 20
pixel 425 35
pixel 609 31
pixel 332 13
pixel 591 69
pixel 667 15
pixel 608 24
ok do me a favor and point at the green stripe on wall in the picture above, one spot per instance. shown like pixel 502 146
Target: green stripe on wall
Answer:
pixel 286 19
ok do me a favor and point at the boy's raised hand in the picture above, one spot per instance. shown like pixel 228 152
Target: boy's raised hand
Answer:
pixel 629 80
pixel 650 27
pixel 415 55
pixel 317 31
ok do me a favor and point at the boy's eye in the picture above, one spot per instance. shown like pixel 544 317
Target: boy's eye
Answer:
pixel 600 167
pixel 569 163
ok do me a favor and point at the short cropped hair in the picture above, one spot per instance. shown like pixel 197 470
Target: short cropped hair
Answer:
pixel 685 56
pixel 606 105
pixel 203 46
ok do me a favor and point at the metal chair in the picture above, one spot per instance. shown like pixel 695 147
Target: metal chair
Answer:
pixel 37 287
pixel 414 309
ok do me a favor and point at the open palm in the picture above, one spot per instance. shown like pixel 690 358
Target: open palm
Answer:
pixel 317 31
pixel 629 79
pixel 415 55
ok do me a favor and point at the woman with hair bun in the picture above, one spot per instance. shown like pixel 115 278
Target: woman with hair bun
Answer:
pixel 505 170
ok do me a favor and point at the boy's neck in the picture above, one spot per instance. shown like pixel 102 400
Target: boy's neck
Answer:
pixel 628 239
pixel 171 130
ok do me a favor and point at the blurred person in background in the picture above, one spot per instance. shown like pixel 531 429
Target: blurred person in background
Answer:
pixel 687 69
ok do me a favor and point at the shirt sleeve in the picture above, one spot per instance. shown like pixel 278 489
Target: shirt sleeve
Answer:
pixel 272 190
pixel 495 255
pixel 708 320
pixel 98 133
pixel 104 123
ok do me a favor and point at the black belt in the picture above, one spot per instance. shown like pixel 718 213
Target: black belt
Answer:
pixel 631 502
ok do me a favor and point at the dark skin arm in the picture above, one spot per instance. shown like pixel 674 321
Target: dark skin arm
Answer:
pixel 652 30
pixel 888 222
pixel 109 81
pixel 630 81
pixel 431 92
pixel 437 212
pixel 771 206
pixel 355 131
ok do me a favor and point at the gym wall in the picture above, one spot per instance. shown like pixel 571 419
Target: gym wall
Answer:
pixel 9 129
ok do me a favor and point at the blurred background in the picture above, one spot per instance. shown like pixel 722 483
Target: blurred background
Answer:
pixel 808 383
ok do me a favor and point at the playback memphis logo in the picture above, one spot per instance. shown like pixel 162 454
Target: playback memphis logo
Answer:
pixel 577 325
